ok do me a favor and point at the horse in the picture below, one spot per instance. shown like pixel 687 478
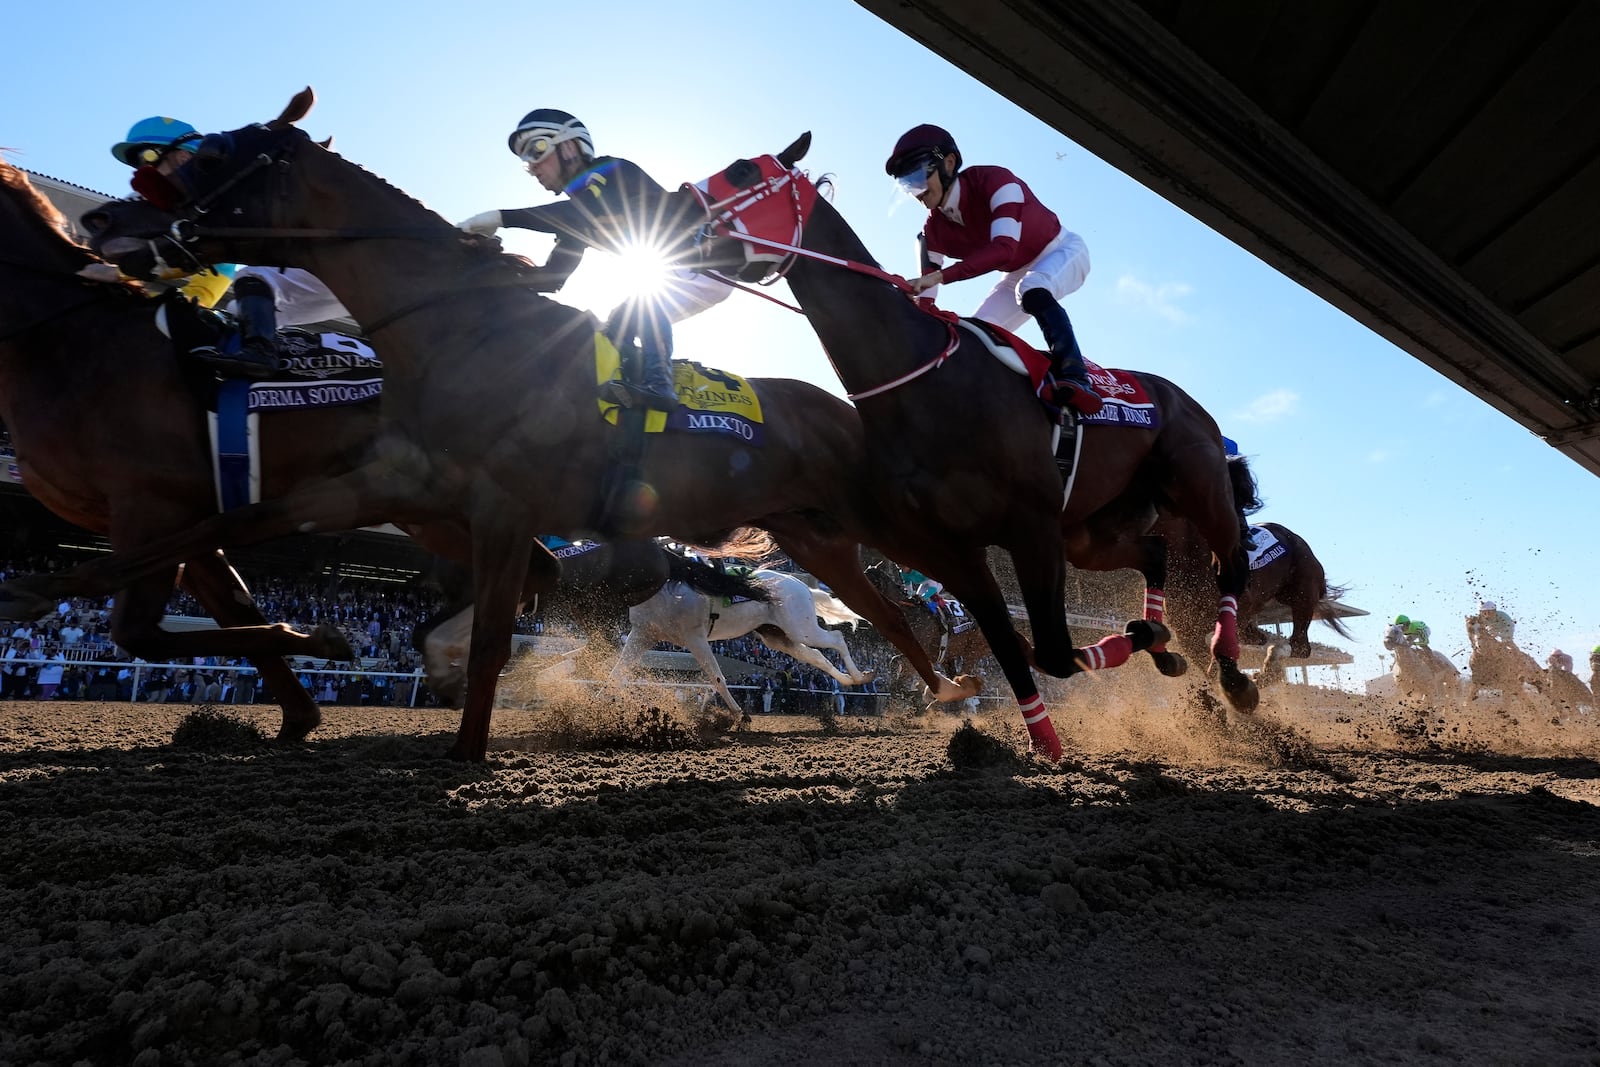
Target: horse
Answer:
pixel 1283 569
pixel 1567 691
pixel 599 582
pixel 1500 665
pixel 783 616
pixel 960 448
pixel 501 437
pixel 1422 675
pixel 111 435
pixel 950 639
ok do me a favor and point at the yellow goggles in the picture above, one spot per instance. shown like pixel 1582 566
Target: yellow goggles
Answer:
pixel 152 154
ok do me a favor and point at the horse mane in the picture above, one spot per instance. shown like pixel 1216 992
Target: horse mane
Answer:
pixel 744 542
pixel 14 178
pixel 1246 495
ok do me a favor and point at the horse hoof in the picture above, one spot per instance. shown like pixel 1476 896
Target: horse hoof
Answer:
pixel 1147 633
pixel 1170 664
pixel 1242 694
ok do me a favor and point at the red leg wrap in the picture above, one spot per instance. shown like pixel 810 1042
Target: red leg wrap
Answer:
pixel 1106 653
pixel 1155 610
pixel 1040 730
pixel 1225 639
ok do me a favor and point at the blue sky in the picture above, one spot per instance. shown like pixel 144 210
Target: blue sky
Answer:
pixel 1415 493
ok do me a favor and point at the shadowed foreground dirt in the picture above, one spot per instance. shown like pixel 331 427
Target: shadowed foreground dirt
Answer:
pixel 788 897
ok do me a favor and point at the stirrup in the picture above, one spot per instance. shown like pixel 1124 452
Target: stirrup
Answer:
pixel 1080 396
pixel 628 395
pixel 242 364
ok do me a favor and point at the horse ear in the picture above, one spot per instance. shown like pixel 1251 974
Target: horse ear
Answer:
pixel 797 151
pixel 328 144
pixel 299 107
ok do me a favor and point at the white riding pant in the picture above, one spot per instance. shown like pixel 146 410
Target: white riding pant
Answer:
pixel 1061 268
pixel 685 293
pixel 300 296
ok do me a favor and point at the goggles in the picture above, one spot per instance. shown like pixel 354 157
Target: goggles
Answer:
pixel 535 147
pixel 151 154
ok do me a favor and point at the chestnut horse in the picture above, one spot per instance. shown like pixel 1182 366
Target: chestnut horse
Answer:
pixel 491 421
pixel 137 463
pixel 960 445
pixel 111 435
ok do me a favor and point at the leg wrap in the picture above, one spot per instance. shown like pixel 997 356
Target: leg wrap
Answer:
pixel 1108 652
pixel 1040 730
pixel 1225 640
pixel 1155 610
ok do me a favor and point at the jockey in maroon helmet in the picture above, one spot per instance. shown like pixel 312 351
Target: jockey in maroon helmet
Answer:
pixel 989 220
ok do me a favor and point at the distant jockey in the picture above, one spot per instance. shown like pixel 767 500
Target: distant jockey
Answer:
pixel 1414 631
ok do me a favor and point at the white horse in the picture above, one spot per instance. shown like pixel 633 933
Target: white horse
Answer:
pixel 1426 675
pixel 785 622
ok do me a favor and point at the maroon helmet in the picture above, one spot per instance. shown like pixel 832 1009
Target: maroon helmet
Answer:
pixel 918 147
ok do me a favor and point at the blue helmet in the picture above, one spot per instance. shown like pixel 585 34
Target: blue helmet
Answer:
pixel 154 132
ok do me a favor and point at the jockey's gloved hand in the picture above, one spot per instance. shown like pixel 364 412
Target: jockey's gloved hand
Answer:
pixel 101 272
pixel 486 223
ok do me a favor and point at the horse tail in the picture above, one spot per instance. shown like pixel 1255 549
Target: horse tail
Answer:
pixel 745 542
pixel 832 610
pixel 1246 496
pixel 1330 593
pixel 713 581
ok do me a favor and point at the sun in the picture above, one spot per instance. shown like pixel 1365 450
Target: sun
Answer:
pixel 641 269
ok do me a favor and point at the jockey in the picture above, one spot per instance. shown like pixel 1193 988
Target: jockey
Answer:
pixel 261 297
pixel 1494 622
pixel 1559 661
pixel 1415 631
pixel 1594 666
pixel 991 221
pixel 612 205
pixel 920 587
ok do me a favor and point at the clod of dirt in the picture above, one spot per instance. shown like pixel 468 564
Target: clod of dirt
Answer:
pixel 208 730
pixel 971 749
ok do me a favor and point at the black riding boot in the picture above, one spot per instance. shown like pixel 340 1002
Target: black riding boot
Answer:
pixel 256 310
pixel 654 390
pixel 1072 378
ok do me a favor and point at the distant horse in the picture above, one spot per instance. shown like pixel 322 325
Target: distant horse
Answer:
pixel 1423 676
pixel 959 449
pixel 1502 666
pixel 599 582
pixel 942 633
pixel 1284 570
pixel 111 434
pixel 491 420
pixel 1567 690
pixel 784 618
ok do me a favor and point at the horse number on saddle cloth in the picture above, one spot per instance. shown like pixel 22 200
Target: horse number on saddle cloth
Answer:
pixel 709 401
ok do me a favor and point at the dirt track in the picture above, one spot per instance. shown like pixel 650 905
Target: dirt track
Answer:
pixel 1164 896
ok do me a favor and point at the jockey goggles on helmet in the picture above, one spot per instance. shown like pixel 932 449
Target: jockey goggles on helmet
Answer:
pixel 151 154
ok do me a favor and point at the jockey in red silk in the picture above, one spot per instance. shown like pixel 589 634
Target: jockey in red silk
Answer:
pixel 612 205
pixel 989 220
pixel 260 296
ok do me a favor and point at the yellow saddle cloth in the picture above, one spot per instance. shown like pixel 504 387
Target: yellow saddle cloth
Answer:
pixel 710 401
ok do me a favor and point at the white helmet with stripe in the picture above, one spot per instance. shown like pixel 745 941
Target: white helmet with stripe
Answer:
pixel 543 130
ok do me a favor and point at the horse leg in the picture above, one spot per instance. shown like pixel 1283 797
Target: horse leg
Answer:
pixel 700 649
pixel 974 585
pixel 1040 563
pixel 1146 554
pixel 803 651
pixel 218 587
pixel 502 572
pixel 837 563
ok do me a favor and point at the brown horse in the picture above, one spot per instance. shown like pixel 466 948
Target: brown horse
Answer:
pixel 1284 570
pixel 920 381
pixel 491 422
pixel 949 639
pixel 58 331
pixel 111 435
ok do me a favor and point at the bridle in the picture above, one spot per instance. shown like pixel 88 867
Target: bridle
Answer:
pixel 739 212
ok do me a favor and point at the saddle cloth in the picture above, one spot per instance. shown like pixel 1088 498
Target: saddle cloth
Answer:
pixel 710 401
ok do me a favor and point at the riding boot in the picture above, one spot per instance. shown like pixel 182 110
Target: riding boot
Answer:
pixel 256 309
pixel 654 390
pixel 1072 386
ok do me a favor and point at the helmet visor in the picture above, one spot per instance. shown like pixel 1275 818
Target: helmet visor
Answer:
pixel 914 182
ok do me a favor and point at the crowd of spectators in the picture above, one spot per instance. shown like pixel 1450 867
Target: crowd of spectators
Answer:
pixel 69 654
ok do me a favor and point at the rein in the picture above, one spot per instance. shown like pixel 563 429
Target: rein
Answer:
pixel 98 293
pixel 860 268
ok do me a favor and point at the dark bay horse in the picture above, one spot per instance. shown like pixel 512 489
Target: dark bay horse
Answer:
pixel 960 448
pixel 1288 573
pixel 949 640
pixel 490 417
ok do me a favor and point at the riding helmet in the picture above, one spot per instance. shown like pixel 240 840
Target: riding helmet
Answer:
pixel 542 129
pixel 1401 620
pixel 154 132
pixel 917 146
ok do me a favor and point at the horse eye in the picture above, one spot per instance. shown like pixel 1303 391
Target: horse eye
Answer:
pixel 742 173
